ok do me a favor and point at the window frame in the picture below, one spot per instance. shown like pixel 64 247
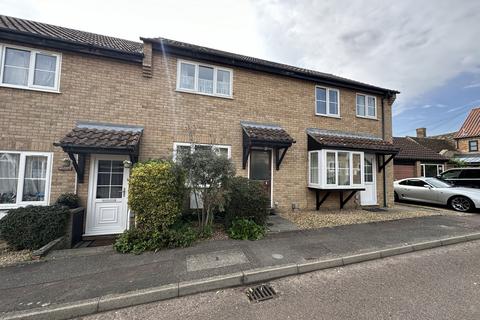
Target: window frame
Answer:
pixel 327 101
pixel 470 146
pixel 322 171
pixel 422 169
pixel 366 116
pixel 21 179
pixel 192 148
pixel 196 78
pixel 31 69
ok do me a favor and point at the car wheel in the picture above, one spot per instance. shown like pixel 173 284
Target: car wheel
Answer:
pixel 462 204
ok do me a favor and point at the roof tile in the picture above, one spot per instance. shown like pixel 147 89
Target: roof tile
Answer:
pixel 411 150
pixel 471 126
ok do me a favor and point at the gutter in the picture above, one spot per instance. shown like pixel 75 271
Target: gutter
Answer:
pixel 384 177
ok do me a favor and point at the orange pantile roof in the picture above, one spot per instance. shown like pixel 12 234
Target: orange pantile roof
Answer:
pixel 471 126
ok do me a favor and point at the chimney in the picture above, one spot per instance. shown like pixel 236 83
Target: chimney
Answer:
pixel 421 132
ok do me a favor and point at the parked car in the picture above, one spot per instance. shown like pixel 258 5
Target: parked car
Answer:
pixel 464 177
pixel 433 190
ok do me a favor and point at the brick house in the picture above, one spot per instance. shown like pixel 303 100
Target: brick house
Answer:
pixel 468 137
pixel 78 107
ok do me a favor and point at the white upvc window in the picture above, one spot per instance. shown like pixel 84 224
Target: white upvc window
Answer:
pixel 335 169
pixel 431 170
pixel 27 68
pixel 366 106
pixel 24 178
pixel 327 102
pixel 204 79
pixel 180 148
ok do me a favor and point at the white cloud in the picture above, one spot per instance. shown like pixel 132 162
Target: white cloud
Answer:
pixel 406 45
pixel 473 85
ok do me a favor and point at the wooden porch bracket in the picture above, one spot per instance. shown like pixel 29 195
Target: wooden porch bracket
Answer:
pixel 385 162
pixel 78 165
pixel 278 157
pixel 318 201
pixel 344 202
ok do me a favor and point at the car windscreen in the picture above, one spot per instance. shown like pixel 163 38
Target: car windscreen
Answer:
pixel 438 183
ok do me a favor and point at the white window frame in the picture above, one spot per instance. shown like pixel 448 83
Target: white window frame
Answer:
pixel 422 165
pixel 327 98
pixel 31 70
pixel 193 145
pixel 322 163
pixel 21 176
pixel 195 89
pixel 469 146
pixel 366 116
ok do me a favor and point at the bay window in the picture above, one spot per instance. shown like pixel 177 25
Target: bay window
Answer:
pixel 366 106
pixel 204 79
pixel 327 102
pixel 335 169
pixel 27 68
pixel 24 178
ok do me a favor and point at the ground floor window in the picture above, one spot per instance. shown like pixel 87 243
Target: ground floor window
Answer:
pixel 24 178
pixel 335 169
pixel 431 170
pixel 180 148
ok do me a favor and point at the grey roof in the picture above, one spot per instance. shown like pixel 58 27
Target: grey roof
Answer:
pixel 412 150
pixel 468 158
pixel 435 144
pixel 44 30
pixel 233 57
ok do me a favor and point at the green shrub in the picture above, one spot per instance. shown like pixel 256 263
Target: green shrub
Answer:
pixel 137 241
pixel 248 199
pixel 156 194
pixel 246 229
pixel 70 200
pixel 34 226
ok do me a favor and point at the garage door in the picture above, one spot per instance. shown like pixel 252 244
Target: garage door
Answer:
pixel 402 171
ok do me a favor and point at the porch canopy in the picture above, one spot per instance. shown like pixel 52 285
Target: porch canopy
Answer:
pixel 100 138
pixel 259 135
pixel 319 139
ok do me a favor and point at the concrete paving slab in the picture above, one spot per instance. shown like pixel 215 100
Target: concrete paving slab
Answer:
pixel 216 259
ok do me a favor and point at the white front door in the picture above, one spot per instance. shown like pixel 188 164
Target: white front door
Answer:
pixel 107 211
pixel 369 196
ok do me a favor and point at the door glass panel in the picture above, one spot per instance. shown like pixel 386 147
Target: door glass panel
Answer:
pixel 331 165
pixel 343 168
pixel 9 163
pixel 35 178
pixel 357 168
pixel 368 169
pixel 109 179
pixel 260 165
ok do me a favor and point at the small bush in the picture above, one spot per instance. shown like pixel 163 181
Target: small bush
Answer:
pixel 34 226
pixel 247 200
pixel 137 241
pixel 70 200
pixel 246 229
pixel 156 194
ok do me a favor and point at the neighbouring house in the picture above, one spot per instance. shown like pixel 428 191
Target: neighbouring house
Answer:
pixel 420 156
pixel 78 108
pixel 467 139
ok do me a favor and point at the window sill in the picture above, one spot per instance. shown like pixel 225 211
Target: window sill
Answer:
pixel 327 116
pixel 29 88
pixel 204 94
pixel 368 118
pixel 333 188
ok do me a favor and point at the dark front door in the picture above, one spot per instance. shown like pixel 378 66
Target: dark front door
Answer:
pixel 261 169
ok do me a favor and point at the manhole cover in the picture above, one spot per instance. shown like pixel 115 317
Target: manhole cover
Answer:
pixel 261 293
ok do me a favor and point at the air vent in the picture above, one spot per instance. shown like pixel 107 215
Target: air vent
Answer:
pixel 261 293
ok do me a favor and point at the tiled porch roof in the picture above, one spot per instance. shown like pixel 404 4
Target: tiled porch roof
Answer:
pixel 266 133
pixel 102 136
pixel 348 140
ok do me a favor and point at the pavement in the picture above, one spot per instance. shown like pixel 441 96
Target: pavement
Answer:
pixel 438 284
pixel 74 275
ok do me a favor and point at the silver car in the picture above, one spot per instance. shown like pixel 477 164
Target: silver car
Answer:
pixel 433 190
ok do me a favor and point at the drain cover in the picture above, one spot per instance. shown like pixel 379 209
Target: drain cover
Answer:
pixel 261 293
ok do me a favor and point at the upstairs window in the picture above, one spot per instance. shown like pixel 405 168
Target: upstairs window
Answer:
pixel 27 68
pixel 366 106
pixel 204 79
pixel 473 145
pixel 327 102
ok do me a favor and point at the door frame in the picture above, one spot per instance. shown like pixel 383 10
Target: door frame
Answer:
pixel 374 176
pixel 92 183
pixel 271 169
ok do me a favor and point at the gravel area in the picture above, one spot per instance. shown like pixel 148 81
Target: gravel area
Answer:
pixel 331 218
pixel 8 257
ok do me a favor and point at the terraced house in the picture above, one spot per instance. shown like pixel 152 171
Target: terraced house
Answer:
pixel 77 108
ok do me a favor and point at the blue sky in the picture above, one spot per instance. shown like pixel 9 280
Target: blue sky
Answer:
pixel 428 50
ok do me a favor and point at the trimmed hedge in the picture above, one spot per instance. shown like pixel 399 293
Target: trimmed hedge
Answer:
pixel 248 200
pixel 70 200
pixel 156 194
pixel 34 226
